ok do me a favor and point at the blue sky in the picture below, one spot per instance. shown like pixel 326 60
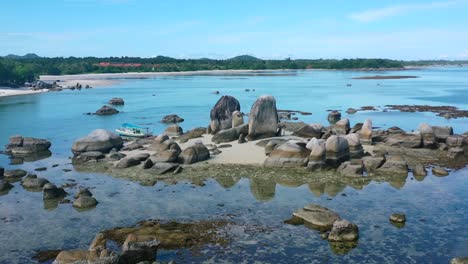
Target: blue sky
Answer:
pixel 222 29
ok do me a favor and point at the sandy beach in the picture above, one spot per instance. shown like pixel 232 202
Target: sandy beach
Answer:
pixel 4 92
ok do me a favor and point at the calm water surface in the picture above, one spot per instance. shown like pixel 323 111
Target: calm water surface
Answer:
pixel 436 207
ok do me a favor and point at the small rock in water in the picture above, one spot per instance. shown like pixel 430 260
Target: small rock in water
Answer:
pixel 439 171
pixel 85 202
pixel 40 169
pixel 50 191
pixel 83 192
pixel 343 231
pixel 398 217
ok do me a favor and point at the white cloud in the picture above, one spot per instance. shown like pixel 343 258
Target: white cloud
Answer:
pixel 389 11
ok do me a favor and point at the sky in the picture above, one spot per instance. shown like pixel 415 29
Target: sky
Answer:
pixel 273 29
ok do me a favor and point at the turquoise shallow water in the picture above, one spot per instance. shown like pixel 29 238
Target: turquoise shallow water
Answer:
pixel 436 207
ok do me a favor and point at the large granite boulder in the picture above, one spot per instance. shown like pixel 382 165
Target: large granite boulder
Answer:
pixel 292 153
pixel 99 140
pixel 174 130
pixel 106 110
pixel 230 134
pixel 168 155
pixel 24 146
pixel 337 150
pixel 341 127
pixel 310 131
pixel 263 118
pixel 221 113
pixel 317 216
pixel 237 118
pixel 317 155
pixel 441 133
pixel 427 134
pixel 355 148
pixel 406 140
pixel 366 132
pixel 195 153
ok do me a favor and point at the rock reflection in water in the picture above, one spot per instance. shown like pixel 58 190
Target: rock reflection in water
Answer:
pixel 20 159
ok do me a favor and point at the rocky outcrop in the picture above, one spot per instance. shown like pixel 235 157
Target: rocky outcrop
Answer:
pixel 427 134
pixel 341 127
pixel 263 118
pixel 195 153
pixel 333 117
pixel 395 166
pixel 99 140
pixel 406 140
pixel 19 145
pixel 310 131
pixel 317 216
pixel 355 148
pixel 292 153
pixel 371 164
pixel 351 169
pixel 106 110
pixel 230 134
pixel 337 150
pixel 173 118
pixel 237 119
pixel 116 101
pixel 221 113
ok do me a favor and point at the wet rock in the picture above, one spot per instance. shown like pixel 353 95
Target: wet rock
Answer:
pixel 50 191
pixel 88 156
pixel 25 146
pixel 428 137
pixel 41 169
pixel 341 127
pixel 230 134
pixel 351 111
pixel 317 216
pixel 116 101
pixel 317 154
pixel 164 167
pixel 398 217
pixel 355 148
pixel 83 192
pixel 4 186
pixel 83 202
pixel 394 165
pixel 349 169
pixel 174 130
pixel 441 133
pixel 99 140
pixel 237 118
pixel 292 153
pixel 173 118
pixel 221 113
pixel 195 153
pixel 333 117
pixel 310 131
pixel 406 140
pixel 33 182
pixel 241 139
pixel 106 110
pixel 419 170
pixel 371 164
pixel 127 162
pixel 343 231
pixel 14 174
pixel 439 171
pixel 263 118
pixel 337 150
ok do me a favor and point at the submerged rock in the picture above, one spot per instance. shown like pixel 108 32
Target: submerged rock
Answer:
pixel 398 217
pixel 317 216
pixel 221 113
pixel 116 101
pixel 106 110
pixel 263 118
pixel 439 171
pixel 84 202
pixel 33 182
pixel 343 231
pixel 4 186
pixel 98 140
pixel 88 156
pixel 14 174
pixel 50 191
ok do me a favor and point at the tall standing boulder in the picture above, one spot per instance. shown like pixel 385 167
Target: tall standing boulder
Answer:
pixel 99 140
pixel 317 154
pixel 263 118
pixel 341 127
pixel 355 148
pixel 337 150
pixel 221 113
pixel 366 132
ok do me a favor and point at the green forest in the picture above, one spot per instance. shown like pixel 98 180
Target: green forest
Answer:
pixel 16 70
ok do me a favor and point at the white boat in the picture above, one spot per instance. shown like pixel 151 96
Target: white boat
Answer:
pixel 130 130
